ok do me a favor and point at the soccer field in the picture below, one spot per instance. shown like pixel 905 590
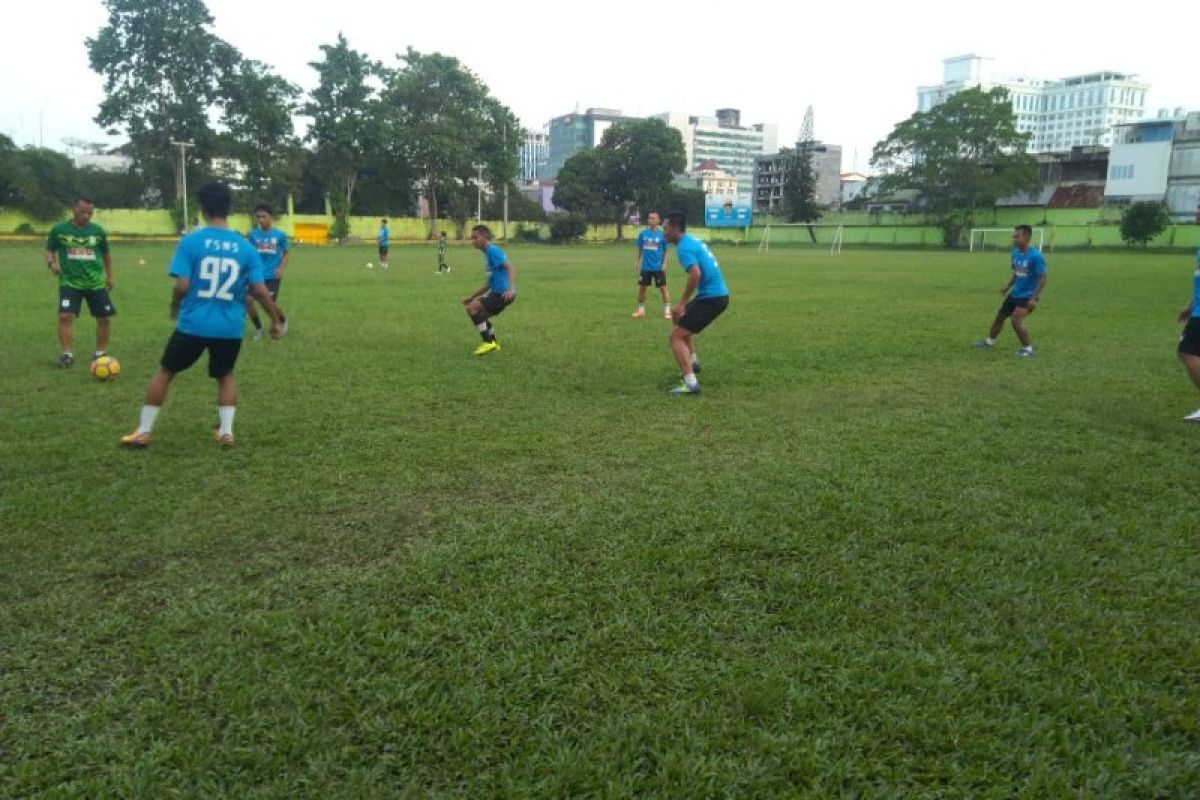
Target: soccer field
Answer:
pixel 869 561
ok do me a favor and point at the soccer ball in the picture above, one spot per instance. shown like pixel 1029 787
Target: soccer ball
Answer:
pixel 370 265
pixel 105 368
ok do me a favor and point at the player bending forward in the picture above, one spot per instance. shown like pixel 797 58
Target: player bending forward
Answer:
pixel 496 294
pixel 704 279
pixel 213 268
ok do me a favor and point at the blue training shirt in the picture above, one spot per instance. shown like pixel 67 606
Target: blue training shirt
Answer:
pixel 1027 268
pixel 271 245
pixel 220 265
pixel 1196 287
pixel 494 261
pixel 383 236
pixel 653 248
pixel 691 252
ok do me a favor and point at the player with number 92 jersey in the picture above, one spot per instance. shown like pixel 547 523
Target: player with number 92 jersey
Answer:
pixel 214 269
pixel 219 265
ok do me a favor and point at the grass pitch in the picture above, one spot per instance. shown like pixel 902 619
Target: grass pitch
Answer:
pixel 870 561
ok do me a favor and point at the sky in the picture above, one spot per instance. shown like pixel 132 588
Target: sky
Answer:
pixel 857 64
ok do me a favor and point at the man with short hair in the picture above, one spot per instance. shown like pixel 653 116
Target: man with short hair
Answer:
pixel 77 254
pixel 1022 291
pixel 383 243
pixel 272 246
pixel 1189 343
pixel 497 293
pixel 704 279
pixel 442 267
pixel 213 268
pixel 651 265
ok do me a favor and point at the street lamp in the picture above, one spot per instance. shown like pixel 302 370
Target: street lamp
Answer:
pixel 183 146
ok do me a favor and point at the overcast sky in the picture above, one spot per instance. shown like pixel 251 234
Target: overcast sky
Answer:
pixel 858 64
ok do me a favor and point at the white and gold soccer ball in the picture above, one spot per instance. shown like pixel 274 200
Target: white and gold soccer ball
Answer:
pixel 105 368
pixel 370 265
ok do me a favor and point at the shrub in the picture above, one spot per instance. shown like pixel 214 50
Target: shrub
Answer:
pixel 565 228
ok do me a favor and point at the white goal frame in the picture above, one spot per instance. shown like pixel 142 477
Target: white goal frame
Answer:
pixel 983 232
pixel 835 247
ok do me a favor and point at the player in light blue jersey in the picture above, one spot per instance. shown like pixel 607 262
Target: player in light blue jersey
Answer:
pixel 272 246
pixel 213 268
pixel 704 279
pixel 496 294
pixel 383 240
pixel 1189 342
pixel 1022 292
pixel 651 265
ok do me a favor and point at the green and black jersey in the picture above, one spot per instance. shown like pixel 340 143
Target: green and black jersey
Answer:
pixel 80 253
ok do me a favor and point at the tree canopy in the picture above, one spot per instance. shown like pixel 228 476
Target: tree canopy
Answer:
pixel 959 156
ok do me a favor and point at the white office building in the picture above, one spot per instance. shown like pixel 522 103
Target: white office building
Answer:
pixel 533 153
pixel 1060 114
pixel 723 140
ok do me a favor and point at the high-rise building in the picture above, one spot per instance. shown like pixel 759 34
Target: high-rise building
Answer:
pixel 1060 114
pixel 723 140
pixel 574 133
pixel 1158 160
pixel 533 155
pixel 770 177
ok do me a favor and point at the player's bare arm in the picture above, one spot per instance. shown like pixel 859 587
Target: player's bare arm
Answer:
pixel 108 274
pixel 511 291
pixel 52 262
pixel 693 280
pixel 178 292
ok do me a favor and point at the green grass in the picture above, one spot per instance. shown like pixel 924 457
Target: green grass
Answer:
pixel 870 561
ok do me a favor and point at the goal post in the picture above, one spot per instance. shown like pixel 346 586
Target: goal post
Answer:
pixel 814 234
pixel 1000 238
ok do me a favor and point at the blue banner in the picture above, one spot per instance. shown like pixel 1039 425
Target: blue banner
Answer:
pixel 727 212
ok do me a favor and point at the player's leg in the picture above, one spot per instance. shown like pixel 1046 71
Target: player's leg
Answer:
pixel 1189 355
pixel 252 312
pixel 643 283
pixel 69 303
pixel 1191 363
pixel 997 324
pixel 1018 326
pixel 661 280
pixel 180 353
pixel 101 308
pixel 273 287
pixel 682 349
pixel 222 357
pixel 481 311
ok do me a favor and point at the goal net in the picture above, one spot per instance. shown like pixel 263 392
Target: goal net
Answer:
pixel 827 237
pixel 993 239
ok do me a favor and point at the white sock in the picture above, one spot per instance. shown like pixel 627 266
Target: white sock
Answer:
pixel 483 327
pixel 695 361
pixel 225 413
pixel 690 380
pixel 1028 348
pixel 990 340
pixel 149 414
pixel 666 308
pixel 641 306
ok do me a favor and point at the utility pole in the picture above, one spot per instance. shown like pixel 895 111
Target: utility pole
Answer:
pixel 479 197
pixel 183 146
pixel 504 138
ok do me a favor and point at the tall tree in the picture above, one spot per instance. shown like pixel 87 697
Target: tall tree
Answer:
pixel 38 181
pixel 445 124
pixel 257 110
pixel 162 69
pixel 800 184
pixel 959 156
pixel 346 129
pixel 633 166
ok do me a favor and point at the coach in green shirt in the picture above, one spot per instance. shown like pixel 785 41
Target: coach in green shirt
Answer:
pixel 77 252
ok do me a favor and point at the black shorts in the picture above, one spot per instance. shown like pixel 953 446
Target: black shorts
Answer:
pixel 1011 304
pixel 1189 343
pixel 273 287
pixel 70 300
pixel 183 349
pixel 494 303
pixel 699 314
pixel 658 276
pixel 383 251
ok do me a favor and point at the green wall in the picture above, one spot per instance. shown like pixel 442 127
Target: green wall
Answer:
pixel 1066 227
